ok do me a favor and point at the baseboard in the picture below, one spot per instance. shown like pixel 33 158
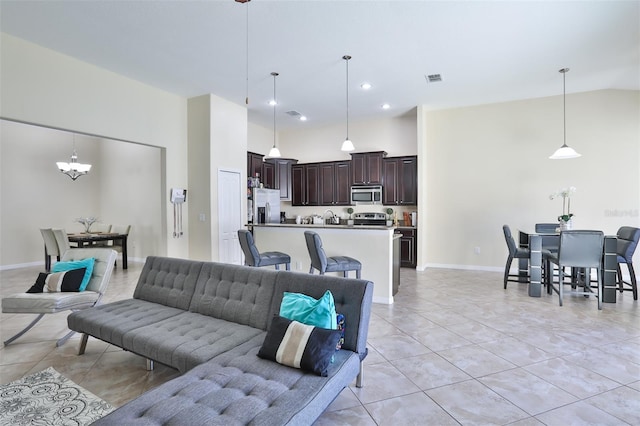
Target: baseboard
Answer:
pixel 461 267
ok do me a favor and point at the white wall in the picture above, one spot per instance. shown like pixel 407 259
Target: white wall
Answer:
pixel 488 165
pixel 41 86
pixel 36 195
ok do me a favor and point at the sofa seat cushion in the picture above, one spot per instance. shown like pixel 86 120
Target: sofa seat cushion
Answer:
pixel 110 322
pixel 188 339
pixel 38 303
pixel 238 388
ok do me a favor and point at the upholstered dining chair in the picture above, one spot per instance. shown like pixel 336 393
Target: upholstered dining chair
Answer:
pixel 50 247
pixel 628 237
pixel 253 257
pixel 322 263
pixel 515 252
pixel 62 239
pixel 51 303
pixel 578 249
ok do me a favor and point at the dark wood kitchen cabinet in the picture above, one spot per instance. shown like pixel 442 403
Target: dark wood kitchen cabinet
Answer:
pixel 305 183
pixel 400 183
pixel 408 248
pixel 277 175
pixel 335 178
pixel 254 164
pixel 366 168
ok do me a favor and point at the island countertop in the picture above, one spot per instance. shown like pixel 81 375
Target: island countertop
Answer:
pixel 373 246
pixel 312 226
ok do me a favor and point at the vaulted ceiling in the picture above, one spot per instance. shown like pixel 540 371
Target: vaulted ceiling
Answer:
pixel 484 51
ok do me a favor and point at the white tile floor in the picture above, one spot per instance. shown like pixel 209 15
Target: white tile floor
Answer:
pixel 455 348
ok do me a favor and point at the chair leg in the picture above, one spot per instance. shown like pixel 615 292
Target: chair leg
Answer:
pixel 277 267
pixel 560 283
pixel 634 283
pixel 345 274
pixel 360 375
pixel 311 270
pixel 620 280
pixel 358 276
pixel 24 330
pixel 507 268
pixel 287 266
pixel 61 341
pixel 600 288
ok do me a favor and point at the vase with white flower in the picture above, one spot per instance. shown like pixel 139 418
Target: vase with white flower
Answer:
pixel 566 218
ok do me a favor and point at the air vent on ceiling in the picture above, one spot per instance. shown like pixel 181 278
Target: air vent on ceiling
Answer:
pixel 293 113
pixel 433 78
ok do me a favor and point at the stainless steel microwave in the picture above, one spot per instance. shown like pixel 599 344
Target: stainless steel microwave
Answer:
pixel 366 194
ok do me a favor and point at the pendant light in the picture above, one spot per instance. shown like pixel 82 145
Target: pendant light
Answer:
pixel 564 152
pixel 73 169
pixel 347 145
pixel 274 152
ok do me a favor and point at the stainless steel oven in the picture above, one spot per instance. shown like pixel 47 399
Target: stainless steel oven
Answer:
pixel 366 194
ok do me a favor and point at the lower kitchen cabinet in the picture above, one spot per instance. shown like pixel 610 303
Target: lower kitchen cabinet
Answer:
pixel 408 247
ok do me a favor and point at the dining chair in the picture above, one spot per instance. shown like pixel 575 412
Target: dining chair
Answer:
pixel 50 247
pixel 51 303
pixel 103 228
pixel 322 263
pixel 62 239
pixel 253 257
pixel 579 249
pixel 515 252
pixel 628 237
pixel 117 244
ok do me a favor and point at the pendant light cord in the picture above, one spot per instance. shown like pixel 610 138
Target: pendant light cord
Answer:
pixel 246 99
pixel 346 58
pixel 564 105
pixel 275 103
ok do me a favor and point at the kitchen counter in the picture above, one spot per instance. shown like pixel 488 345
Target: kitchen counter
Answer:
pixel 355 227
pixel 376 247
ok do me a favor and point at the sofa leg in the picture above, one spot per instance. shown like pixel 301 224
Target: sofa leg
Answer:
pixel 149 365
pixel 360 374
pixel 83 344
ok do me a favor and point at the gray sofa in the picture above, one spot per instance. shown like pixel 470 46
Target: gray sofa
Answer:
pixel 208 320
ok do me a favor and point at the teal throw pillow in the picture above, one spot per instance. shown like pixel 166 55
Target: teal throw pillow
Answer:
pixel 77 264
pixel 307 310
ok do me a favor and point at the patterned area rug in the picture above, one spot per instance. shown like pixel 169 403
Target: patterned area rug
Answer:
pixel 49 398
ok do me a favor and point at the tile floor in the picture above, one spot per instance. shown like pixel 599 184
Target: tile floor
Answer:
pixel 455 348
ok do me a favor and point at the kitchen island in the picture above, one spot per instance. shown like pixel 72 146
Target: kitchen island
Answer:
pixel 376 247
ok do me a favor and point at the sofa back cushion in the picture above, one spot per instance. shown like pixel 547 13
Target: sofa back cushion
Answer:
pixel 168 281
pixel 352 299
pixel 239 294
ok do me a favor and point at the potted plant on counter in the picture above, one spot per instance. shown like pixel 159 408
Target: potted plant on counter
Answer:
pixel 389 217
pixel 350 220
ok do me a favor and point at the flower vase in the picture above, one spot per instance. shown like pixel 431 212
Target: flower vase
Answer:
pixel 566 225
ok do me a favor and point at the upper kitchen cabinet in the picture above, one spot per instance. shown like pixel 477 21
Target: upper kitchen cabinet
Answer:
pixel 305 185
pixel 254 164
pixel 366 168
pixel 400 185
pixel 335 183
pixel 277 175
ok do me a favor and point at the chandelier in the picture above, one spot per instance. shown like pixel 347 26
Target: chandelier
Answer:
pixel 73 169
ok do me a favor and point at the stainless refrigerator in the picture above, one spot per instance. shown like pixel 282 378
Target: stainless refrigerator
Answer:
pixel 266 205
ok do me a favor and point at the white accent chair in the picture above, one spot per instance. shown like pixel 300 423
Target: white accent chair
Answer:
pixel 50 247
pixel 51 303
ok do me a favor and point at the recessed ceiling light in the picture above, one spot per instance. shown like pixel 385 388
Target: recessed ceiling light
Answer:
pixel 386 106
pixel 273 103
pixel 303 118
pixel 366 86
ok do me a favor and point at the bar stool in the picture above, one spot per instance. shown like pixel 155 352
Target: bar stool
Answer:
pixel 252 257
pixel 322 263
pixel 628 238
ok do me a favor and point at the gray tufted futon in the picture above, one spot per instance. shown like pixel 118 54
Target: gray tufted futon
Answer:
pixel 208 320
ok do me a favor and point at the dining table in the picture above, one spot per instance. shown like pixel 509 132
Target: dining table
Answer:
pixel 87 239
pixel 532 267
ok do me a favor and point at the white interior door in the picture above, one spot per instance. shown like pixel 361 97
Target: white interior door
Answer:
pixel 230 196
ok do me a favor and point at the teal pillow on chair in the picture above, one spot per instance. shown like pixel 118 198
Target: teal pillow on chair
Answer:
pixel 307 310
pixel 77 264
